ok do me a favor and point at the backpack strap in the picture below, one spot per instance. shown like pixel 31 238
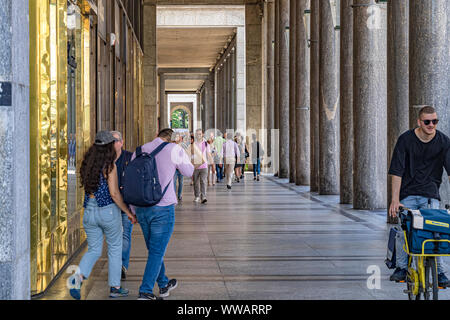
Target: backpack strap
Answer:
pixel 138 151
pixel 158 149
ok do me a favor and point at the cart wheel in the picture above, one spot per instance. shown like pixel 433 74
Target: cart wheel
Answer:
pixel 412 283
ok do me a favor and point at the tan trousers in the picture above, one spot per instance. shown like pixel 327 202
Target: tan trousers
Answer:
pixel 229 170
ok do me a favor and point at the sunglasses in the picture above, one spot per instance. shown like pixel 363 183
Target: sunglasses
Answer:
pixel 427 122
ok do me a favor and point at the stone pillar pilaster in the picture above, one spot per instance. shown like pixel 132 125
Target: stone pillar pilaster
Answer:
pixel 14 151
pixel 429 67
pixel 150 76
pixel 328 102
pixel 346 102
pixel 397 79
pixel 314 95
pixel 369 105
pixel 302 110
pixel 253 30
pixel 292 88
pixel 270 49
pixel 284 90
pixel 163 102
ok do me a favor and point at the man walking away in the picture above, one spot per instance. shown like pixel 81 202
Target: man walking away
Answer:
pixel 257 153
pixel 201 167
pixel 230 152
pixel 417 165
pixel 157 222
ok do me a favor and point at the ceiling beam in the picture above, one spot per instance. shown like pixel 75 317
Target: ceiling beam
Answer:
pixel 183 70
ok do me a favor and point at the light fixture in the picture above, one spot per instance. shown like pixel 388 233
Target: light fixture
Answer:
pixel 335 12
pixel 307 22
pixel 286 34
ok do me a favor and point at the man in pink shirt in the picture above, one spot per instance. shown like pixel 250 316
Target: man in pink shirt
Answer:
pixel 157 222
pixel 201 166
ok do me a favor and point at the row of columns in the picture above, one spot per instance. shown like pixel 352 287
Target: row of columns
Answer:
pixel 226 91
pixel 341 98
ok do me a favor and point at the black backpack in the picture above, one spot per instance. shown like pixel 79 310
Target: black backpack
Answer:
pixel 140 180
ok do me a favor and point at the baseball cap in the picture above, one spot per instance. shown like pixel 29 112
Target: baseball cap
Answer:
pixel 104 137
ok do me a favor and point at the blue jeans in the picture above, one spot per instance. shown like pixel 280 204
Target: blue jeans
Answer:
pixel 99 221
pixel 178 176
pixel 257 168
pixel 157 225
pixel 219 172
pixel 126 241
pixel 414 203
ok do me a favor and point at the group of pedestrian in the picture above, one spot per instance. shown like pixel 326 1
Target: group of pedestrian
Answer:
pixel 106 213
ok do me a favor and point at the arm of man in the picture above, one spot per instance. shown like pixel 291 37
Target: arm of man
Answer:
pixel 396 170
pixel 395 202
pixel 185 166
pixel 116 196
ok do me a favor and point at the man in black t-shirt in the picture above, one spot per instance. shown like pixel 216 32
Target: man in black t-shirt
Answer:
pixel 417 165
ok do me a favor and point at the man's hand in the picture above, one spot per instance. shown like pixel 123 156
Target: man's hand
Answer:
pixel 393 209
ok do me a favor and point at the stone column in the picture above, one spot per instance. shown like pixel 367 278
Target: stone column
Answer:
pixel 150 92
pixel 14 151
pixel 233 88
pixel 397 79
pixel 346 102
pixel 277 68
pixel 223 90
pixel 284 90
pixel 292 88
pixel 199 113
pixel 209 111
pixel 314 95
pixel 162 102
pixel 429 67
pixel 228 91
pixel 270 76
pixel 302 110
pixel 328 102
pixel 253 30
pixel 369 105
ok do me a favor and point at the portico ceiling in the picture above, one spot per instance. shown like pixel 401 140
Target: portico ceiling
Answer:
pixel 191 47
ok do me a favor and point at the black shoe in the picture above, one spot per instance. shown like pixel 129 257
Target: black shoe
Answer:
pixel 124 273
pixel 148 296
pixel 204 200
pixel 254 178
pixel 398 275
pixel 229 187
pixel 164 292
pixel 257 179
pixel 443 281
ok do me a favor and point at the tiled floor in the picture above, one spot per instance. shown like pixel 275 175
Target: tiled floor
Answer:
pixel 263 240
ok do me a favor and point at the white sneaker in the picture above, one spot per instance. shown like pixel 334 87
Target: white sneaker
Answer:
pixel 197 199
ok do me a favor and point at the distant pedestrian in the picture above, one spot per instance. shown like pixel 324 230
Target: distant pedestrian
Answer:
pixel 201 167
pixel 102 217
pixel 218 157
pixel 230 153
pixel 122 160
pixel 157 222
pixel 211 164
pixel 178 139
pixel 256 154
